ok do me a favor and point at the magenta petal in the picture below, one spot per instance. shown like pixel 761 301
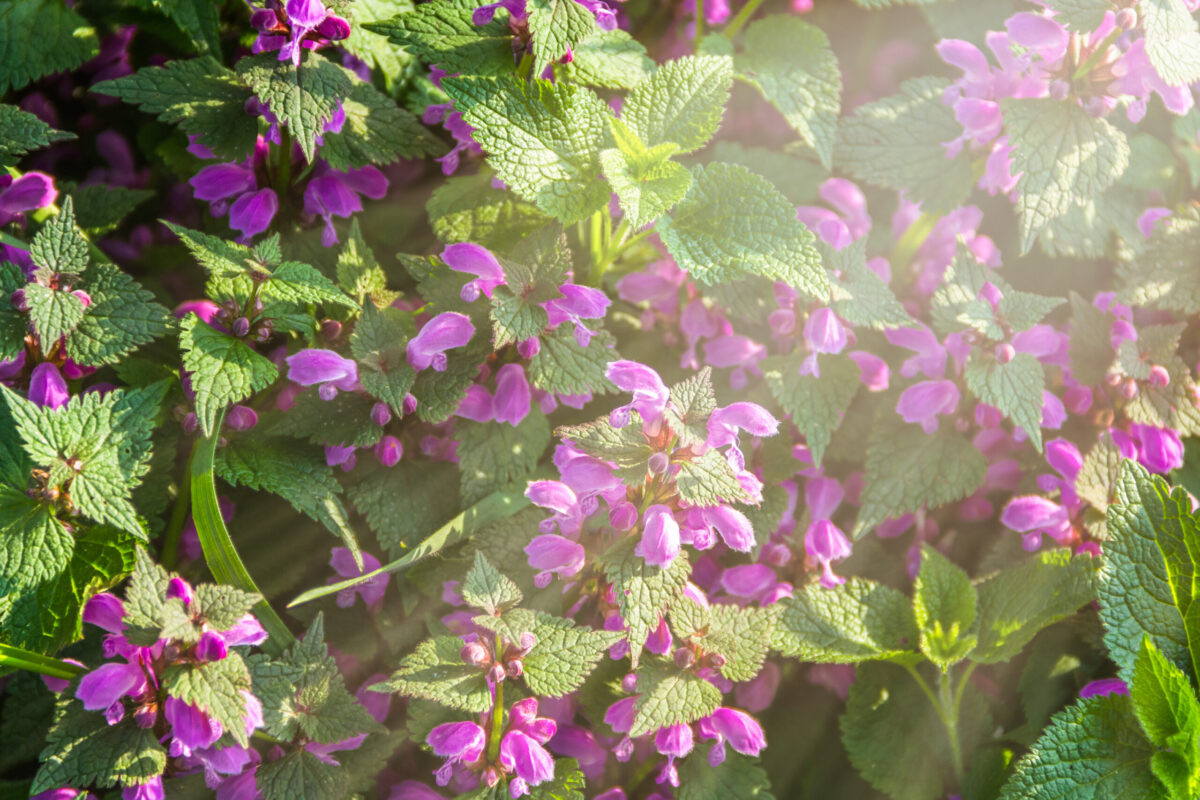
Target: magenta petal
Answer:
pixel 47 387
pixel 191 727
pixel 305 13
pixel 476 405
pixel 550 552
pixel 733 526
pixel 31 191
pixel 310 367
pixel 444 332
pixel 823 496
pixel 521 754
pixel 108 683
pixel 220 181
pixel 741 730
pixel 748 580
pixel 925 401
pixel 660 536
pixel 252 212
pixel 1031 512
pixel 460 741
pixel 554 495
pixel 105 611
pixel 512 398
pixel 367 181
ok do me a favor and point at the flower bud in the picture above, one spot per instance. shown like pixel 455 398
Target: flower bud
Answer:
pixel 1159 376
pixel 211 647
pixel 1059 89
pixel 716 660
pixel 145 716
pixel 1127 19
pixel 514 668
pixel 490 777
pixel 1005 352
pixel 496 673
pixel 331 329
pixel 1129 389
pixel 241 418
pixel 1113 379
pixel 190 423
pixel 241 327
pixel 380 414
pixel 528 640
pixel 684 658
pixel 475 654
pixel 83 296
pixel 181 589
pixel 658 464
pixel 18 300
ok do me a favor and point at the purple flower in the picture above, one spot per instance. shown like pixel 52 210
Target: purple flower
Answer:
pixel 823 333
pixel 1104 686
pixel 562 500
pixel 47 387
pixel 233 188
pixel 660 536
pixel 674 742
pixel 371 591
pixel 552 555
pixel 650 394
pixel 444 332
pixel 298 24
pixel 477 261
pixel 724 423
pixel 150 790
pixel 825 543
pixel 930 358
pixel 732 525
pixel 1160 449
pixel 252 213
pixel 739 729
pixel 577 303
pixel 31 191
pixel 924 402
pixel 389 450
pixel 511 402
pixel 1033 515
pixel 457 742
pixel 521 750
pixel 332 193
pixel 326 368
pixel 191 728
pixel 102 688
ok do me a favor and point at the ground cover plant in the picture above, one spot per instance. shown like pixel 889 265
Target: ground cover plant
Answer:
pixel 592 399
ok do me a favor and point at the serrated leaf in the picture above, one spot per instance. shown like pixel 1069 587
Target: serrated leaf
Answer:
pixel 1165 275
pixel 198 19
pixel 377 343
pixel 1067 157
pixel 22 133
pixel 223 370
pixel 610 60
pixel 681 102
pixel 742 635
pixel 563 367
pixel 1172 40
pixel 1093 750
pixel 907 469
pixel 82 749
pixel 1080 15
pixel 436 671
pixel 216 688
pixel 344 421
pixel 563 655
pixel 669 696
pixel 377 131
pixel 444 35
pixel 626 447
pixel 467 208
pixel 1016 603
pixel 34 546
pixel 486 589
pixel 542 139
pixel 122 317
pixel 494 455
pixel 1015 388
pixel 816 405
pixel 1136 596
pixel 53 313
pixel 303 98
pixel 297 473
pixel 42 37
pixel 644 592
pixel 377 52
pixel 100 208
pixel 944 607
pixel 300 775
pixel 59 248
pixel 792 64
pixel 691 403
pixel 145 600
pixel 358 272
pixel 1166 707
pixel 202 97
pixel 295 282
pixel 645 192
pixel 859 620
pixel 1090 346
pixel 223 606
pixel 709 480
pixel 896 143
pixel 532 278
pixel 735 778
pixel 733 223
pixel 558 26
pixel 858 295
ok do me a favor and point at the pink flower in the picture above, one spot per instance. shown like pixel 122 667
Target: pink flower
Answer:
pixel 371 591
pixel 660 536
pixel 924 402
pixel 446 331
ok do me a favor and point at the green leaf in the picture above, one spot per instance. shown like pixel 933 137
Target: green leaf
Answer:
pixel 542 139
pixel 377 131
pixel 709 480
pixel 944 606
pixel 1138 579
pixel 1165 275
pixel 1080 15
pixel 563 367
pixel 691 403
pixel 59 248
pixel 486 589
pixel 303 98
pixel 907 469
pixel 896 143
pixel 859 620
pixel 859 296
pixel 100 208
pixel 644 592
pixel 467 208
pixel 292 470
pixel 494 455
pixel 682 102
pixel 557 27
pixel 42 37
pixel 1016 603
pixel 121 318
pixel 224 370
pixel 377 343
pixel 53 313
pixel 12 322
pixel 222 259
pixel 404 504
pixel 294 282
pixel 1067 158
pixel 792 64
pixel 1090 344
pixel 443 35
pixel 742 636
pixel 647 183
pixel 563 655
pixel 626 447
pixel 436 671
pixel 1166 706
pixel 1015 388
pixel 343 421
pixel 145 600
pixel 358 272
pixel 1172 40
pixel 22 133
pixel 1093 750
pixel 34 546
pixel 733 223
pixel 396 65
pixel 735 778
pixel 816 405
pixel 216 688
pixel 198 19
pixel 83 749
pixel 885 700
pixel 610 60
pixel 532 277
pixel 669 696
pixel 300 775
pixel 199 95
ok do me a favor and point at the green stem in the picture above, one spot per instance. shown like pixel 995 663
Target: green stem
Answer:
pixel 699 26
pixel 595 246
pixel 17 658
pixel 525 66
pixel 910 242
pixel 950 720
pixel 741 18
pixel 284 164
pixel 170 548
pixel 495 506
pixel 493 751
pixel 223 559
